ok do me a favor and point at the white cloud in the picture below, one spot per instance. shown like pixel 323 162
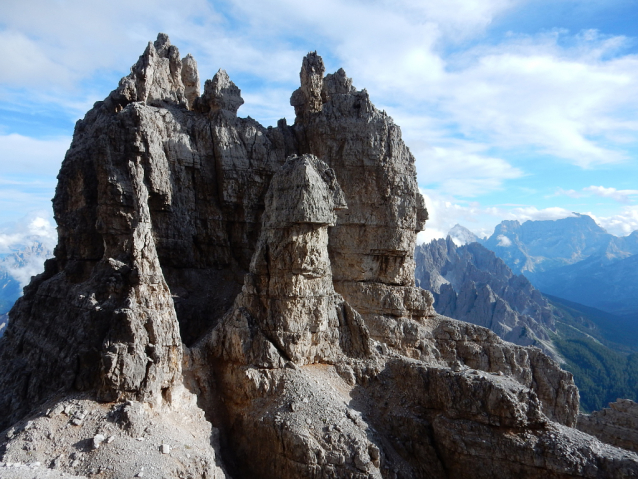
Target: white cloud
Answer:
pixel 530 91
pixel 32 266
pixel 444 213
pixel 570 193
pixel 22 155
pixel 462 170
pixel 19 234
pixel 504 241
pixel 621 224
pixel 525 213
pixel 456 17
pixel 621 196
pixel 74 39
pixel 23 235
pixel 26 64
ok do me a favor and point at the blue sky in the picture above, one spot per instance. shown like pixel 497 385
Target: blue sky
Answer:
pixel 514 109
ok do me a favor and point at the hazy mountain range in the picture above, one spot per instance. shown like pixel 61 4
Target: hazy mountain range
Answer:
pixel 470 283
pixel 572 258
pixel 16 270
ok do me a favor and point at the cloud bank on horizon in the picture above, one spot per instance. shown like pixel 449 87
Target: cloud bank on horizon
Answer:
pixel 514 109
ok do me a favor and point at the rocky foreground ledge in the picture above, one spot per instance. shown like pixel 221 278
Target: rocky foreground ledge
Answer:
pixel 228 300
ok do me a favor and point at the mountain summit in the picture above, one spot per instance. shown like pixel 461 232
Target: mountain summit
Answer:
pixel 573 258
pixel 228 300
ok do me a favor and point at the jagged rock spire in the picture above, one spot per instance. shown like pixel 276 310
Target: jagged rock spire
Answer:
pixel 288 294
pixel 190 79
pixel 159 76
pixel 221 93
pixel 307 98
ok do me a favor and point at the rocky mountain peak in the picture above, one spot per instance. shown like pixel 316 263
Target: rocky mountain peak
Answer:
pixel 221 93
pixel 211 289
pixel 307 99
pixel 190 79
pixel 461 235
pixel 159 76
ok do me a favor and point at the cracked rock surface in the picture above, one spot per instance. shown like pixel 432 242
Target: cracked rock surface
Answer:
pixel 616 425
pixel 233 301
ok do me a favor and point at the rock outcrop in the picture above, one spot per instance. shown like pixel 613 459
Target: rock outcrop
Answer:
pixel 256 285
pixel 617 424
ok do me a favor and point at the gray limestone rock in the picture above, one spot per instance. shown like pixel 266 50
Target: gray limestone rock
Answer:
pixel 190 79
pixel 616 425
pixel 246 295
pixel 288 309
pixel 221 93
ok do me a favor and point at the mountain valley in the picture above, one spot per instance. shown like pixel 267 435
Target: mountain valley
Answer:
pixel 469 282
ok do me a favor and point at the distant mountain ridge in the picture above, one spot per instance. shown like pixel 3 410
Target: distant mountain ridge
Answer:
pixel 572 258
pixel 537 246
pixel 472 284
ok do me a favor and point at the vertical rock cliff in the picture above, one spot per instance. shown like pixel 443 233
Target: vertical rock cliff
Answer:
pixel 229 300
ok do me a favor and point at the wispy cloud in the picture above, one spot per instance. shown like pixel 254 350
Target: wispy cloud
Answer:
pixel 531 91
pixel 620 224
pixel 22 155
pixel 18 234
pixel 620 196
pixel 462 169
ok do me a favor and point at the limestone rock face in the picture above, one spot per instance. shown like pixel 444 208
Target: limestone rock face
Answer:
pixel 616 425
pixel 288 297
pixel 255 286
pixel 372 244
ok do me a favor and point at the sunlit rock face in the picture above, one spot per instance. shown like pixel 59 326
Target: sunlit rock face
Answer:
pixel 249 292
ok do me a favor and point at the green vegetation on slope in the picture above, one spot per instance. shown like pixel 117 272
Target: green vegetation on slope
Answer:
pixel 617 332
pixel 600 350
pixel 601 374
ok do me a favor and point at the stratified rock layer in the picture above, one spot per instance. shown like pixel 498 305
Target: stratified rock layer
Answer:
pixel 617 425
pixel 270 272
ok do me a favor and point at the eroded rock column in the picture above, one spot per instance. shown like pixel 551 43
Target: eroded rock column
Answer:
pixel 288 296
